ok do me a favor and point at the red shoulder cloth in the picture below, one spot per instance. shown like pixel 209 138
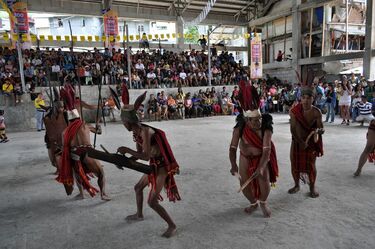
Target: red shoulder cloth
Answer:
pixel 371 156
pixel 298 114
pixel 68 165
pixel 253 139
pixel 170 163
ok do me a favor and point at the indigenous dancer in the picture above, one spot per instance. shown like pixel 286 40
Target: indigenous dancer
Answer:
pixel 307 128
pixel 55 123
pixel 258 163
pixel 369 151
pixel 75 162
pixel 152 145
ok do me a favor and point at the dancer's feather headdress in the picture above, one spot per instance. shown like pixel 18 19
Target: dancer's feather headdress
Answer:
pixel 249 100
pixel 129 112
pixel 67 94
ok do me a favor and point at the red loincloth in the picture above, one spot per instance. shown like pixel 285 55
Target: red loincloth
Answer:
pixel 170 164
pixel 253 139
pixel 304 159
pixel 371 156
pixel 68 165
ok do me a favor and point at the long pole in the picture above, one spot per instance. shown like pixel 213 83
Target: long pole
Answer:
pixel 347 26
pixel 20 61
pixel 310 39
pixel 74 65
pixel 209 57
pixel 128 56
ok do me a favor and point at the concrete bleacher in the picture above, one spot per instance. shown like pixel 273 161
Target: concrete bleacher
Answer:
pixel 22 116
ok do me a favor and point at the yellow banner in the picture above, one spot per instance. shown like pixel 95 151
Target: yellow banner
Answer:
pixel 82 38
pixel 97 38
pixel 67 38
pixel 41 38
pixel 50 38
pixel 58 38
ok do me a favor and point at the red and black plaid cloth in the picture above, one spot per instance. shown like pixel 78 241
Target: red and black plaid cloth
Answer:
pixel 371 156
pixel 170 164
pixel 252 138
pixel 304 158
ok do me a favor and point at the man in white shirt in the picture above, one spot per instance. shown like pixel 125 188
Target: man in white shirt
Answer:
pixel 151 79
pixel 183 77
pixel 364 109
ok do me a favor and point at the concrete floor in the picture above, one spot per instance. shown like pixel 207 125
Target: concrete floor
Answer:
pixel 36 213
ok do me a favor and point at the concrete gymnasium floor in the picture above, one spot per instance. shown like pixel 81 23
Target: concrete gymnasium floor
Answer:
pixel 36 213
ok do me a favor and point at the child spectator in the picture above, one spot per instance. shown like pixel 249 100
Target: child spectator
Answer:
pixel 3 136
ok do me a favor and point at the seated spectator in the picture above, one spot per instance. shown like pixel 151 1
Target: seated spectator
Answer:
pixel 215 104
pixel 151 80
pixel 109 107
pixel 188 104
pixel 197 108
pixel 18 92
pixel 227 105
pixel 182 77
pixel 163 103
pixel 172 106
pixel 153 108
pixel 180 103
pixel 365 110
pixel 3 136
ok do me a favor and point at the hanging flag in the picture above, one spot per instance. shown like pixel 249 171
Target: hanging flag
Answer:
pixel 256 66
pixel 111 28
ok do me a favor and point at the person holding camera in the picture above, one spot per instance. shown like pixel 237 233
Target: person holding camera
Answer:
pixel 331 103
pixel 345 101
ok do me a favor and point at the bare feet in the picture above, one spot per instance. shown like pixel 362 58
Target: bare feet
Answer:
pixel 79 196
pixel 313 193
pixel 293 190
pixel 251 208
pixel 357 173
pixel 105 197
pixel 266 211
pixel 134 217
pixel 171 231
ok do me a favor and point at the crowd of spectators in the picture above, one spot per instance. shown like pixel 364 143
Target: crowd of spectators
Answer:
pixel 352 98
pixel 158 69
pixel 168 69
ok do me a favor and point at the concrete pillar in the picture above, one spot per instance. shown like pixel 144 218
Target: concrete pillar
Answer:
pixel 180 30
pixel 107 4
pixel 368 59
pixel 249 47
pixel 296 36
pixel 327 34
